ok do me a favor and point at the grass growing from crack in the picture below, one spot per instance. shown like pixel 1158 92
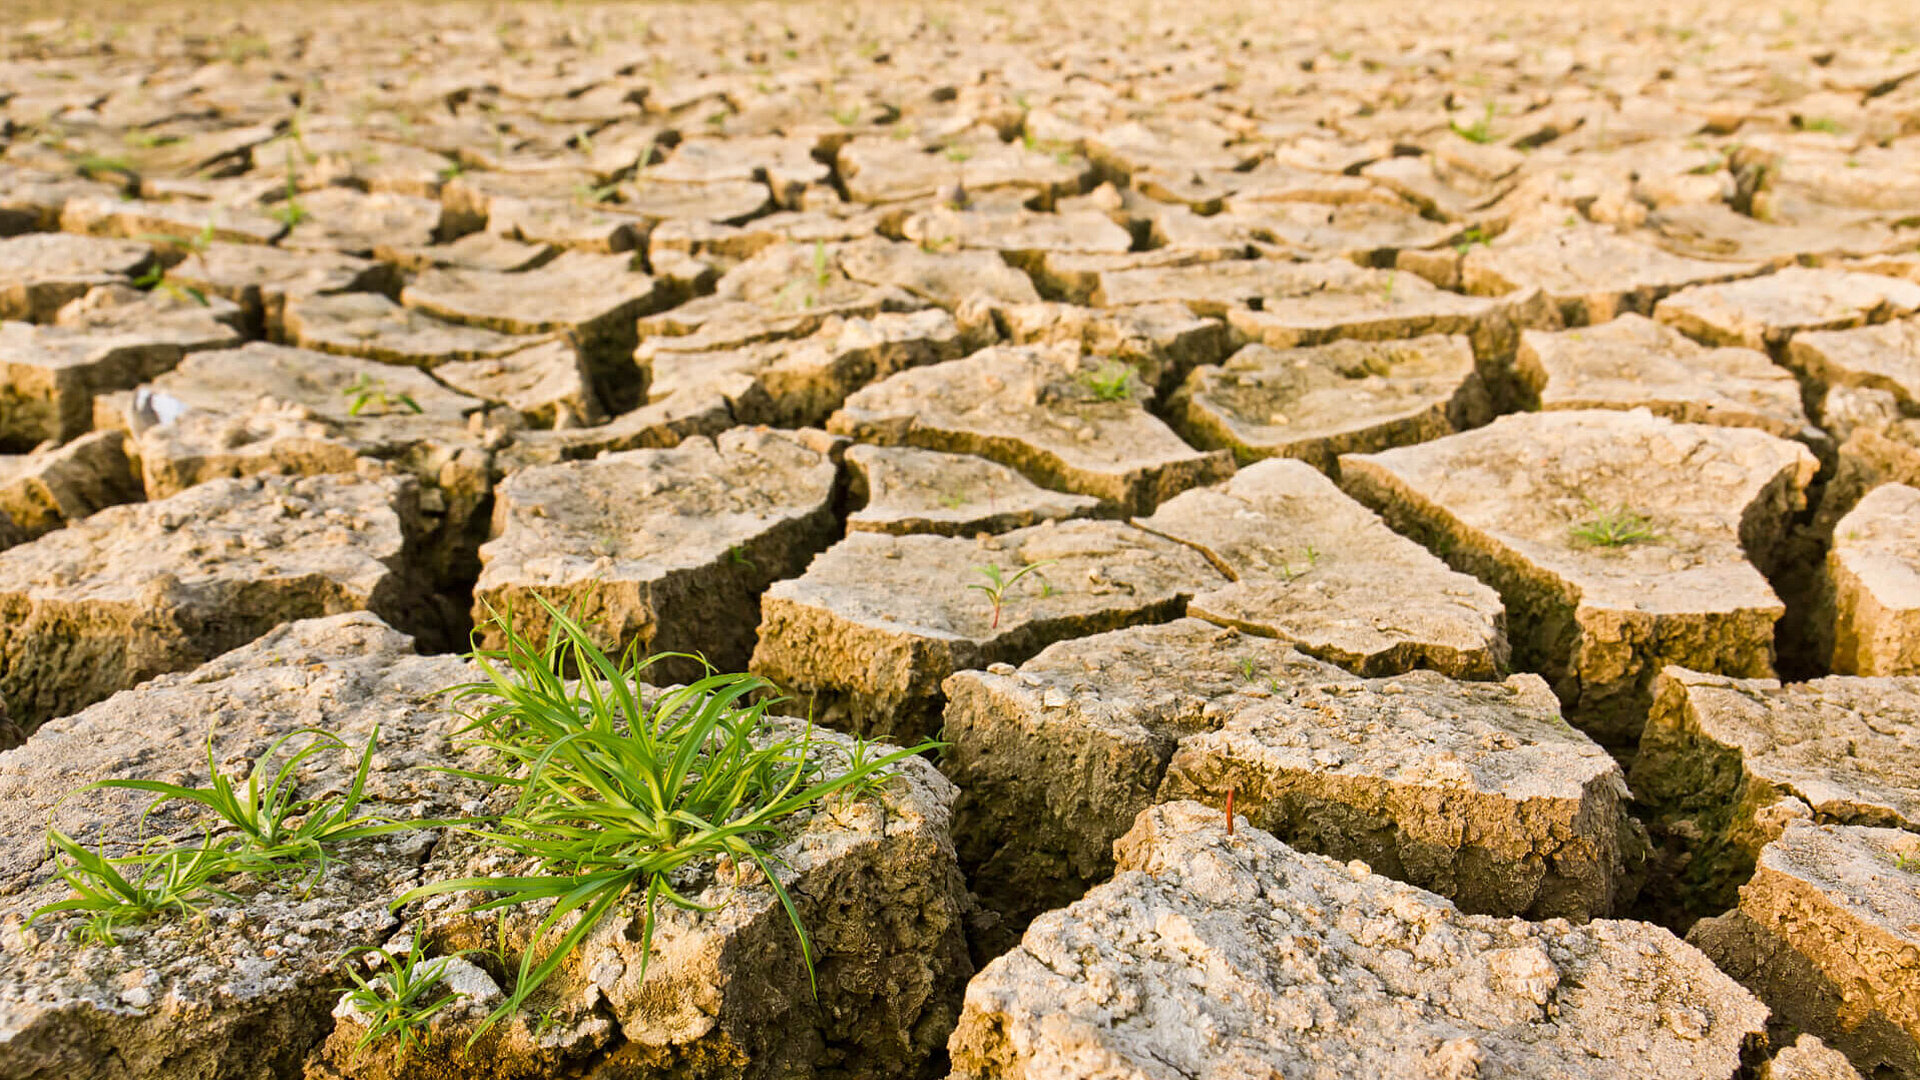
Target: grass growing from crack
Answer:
pixel 614 796
pixel 1618 527
pixel 264 827
pixel 1111 381
pixel 366 390
pixel 998 583
pixel 396 1000
pixel 1480 131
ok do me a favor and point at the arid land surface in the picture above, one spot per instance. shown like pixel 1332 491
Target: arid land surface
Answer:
pixel 1403 518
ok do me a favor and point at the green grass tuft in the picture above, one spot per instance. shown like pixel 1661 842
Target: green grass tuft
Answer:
pixel 1618 527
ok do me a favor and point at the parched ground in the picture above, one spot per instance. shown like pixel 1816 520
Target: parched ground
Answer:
pixel 1476 442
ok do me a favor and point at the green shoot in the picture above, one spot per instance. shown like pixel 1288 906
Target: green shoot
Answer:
pixel 821 275
pixel 957 153
pixel 1907 863
pixel 846 117
pixel 1386 291
pixel 1480 131
pixel 1617 527
pixel 1111 381
pixel 1472 238
pixel 396 1001
pixel 277 828
pixel 290 212
pixel 366 390
pixel 614 795
pixel 118 892
pixel 998 584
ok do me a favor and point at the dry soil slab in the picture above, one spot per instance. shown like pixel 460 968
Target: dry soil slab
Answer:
pixel 725 993
pixel 667 548
pixel 547 384
pixel 1529 504
pixel 136 591
pixel 41 272
pixel 1314 568
pixel 1590 273
pixel 44 490
pixel 1319 402
pixel 595 299
pixel 1808 1059
pixel 901 489
pixel 1871 589
pixel 1064 420
pixel 269 409
pixel 51 373
pixel 877 621
pixel 1211 954
pixel 1725 764
pixel 1766 312
pixel 1633 362
pixel 1884 356
pixel 262 279
pixel 1825 934
pixel 1161 342
pixel 1477 791
pixel 807 379
pixel 371 326
pixel 245 991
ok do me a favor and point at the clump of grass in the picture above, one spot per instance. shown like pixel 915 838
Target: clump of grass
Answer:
pixel 291 210
pixel 118 892
pixel 366 390
pixel 998 583
pixel 613 796
pixel 1472 238
pixel 264 828
pixel 1480 131
pixel 397 1001
pixel 1111 381
pixel 1620 526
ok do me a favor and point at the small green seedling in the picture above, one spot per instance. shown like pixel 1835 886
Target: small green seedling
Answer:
pixel 291 211
pixel 117 892
pixel 822 267
pixel 1618 527
pixel 1472 238
pixel 1480 131
pixel 998 584
pixel 274 827
pixel 1386 291
pixel 1248 669
pixel 957 153
pixel 1111 381
pixel 399 1000
pixel 366 390
pixel 1908 863
pixel 846 117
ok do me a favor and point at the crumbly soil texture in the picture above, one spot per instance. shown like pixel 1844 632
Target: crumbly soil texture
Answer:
pixel 1398 526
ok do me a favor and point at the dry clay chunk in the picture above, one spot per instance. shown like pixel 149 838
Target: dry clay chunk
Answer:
pixel 1161 342
pixel 1477 791
pixel 877 622
pixel 1064 420
pixel 596 299
pixel 669 548
pixel 946 278
pixel 1880 357
pixel 1217 955
pixel 273 409
pixel 1618 540
pixel 1725 764
pixel 808 379
pixel 1319 402
pixel 1634 362
pixel 95 215
pixel 906 490
pixel 371 326
pixel 1056 759
pixel 40 272
pixel 724 993
pixel 50 374
pixel 262 279
pixel 1872 585
pixel 1314 568
pixel 1825 934
pixel 41 491
pixel 135 591
pixel 1590 273
pixel 1808 1059
pixel 246 991
pixel 547 384
pixel 1764 312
